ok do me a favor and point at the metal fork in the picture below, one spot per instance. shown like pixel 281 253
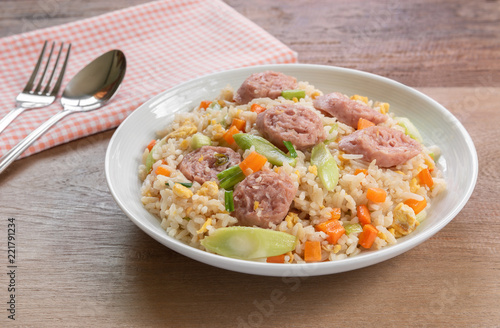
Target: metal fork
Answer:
pixel 40 95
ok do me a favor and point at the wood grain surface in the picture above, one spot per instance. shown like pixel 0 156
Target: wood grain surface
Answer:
pixel 83 263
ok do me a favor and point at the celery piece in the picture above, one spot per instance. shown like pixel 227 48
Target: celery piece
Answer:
pixel 215 105
pixel 410 129
pixel 150 160
pixel 230 177
pixel 199 140
pixel 228 200
pixel 328 170
pixel 273 154
pixel 249 242
pixel 290 94
pixel 421 216
pixel 352 228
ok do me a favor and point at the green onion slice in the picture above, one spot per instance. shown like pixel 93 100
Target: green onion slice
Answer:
pixel 291 149
pixel 228 199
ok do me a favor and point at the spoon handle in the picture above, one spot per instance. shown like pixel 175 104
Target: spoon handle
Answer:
pixel 18 149
pixel 7 119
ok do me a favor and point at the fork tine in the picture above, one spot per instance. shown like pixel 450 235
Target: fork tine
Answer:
pixel 39 86
pixel 57 86
pixel 47 87
pixel 29 85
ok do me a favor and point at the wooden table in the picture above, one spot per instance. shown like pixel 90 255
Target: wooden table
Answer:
pixel 82 262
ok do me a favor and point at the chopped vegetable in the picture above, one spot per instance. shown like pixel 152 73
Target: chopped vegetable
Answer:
pixel 204 104
pixel 215 105
pixel 312 251
pixel 416 205
pixel 160 170
pixel 363 124
pixel 421 216
pixel 376 195
pixel 228 136
pixel 263 147
pixel 253 163
pixel 426 178
pixel 256 108
pixel 363 214
pixel 336 213
pixel 328 170
pixel 151 144
pixel 228 200
pixel 333 228
pixel 240 124
pixel 230 177
pixel 358 171
pixel 367 237
pixel 150 160
pixel 199 140
pixel 291 149
pixel 186 184
pixel 353 228
pixel 290 94
pixel 276 259
pixel 221 159
pixel 249 242
pixel 410 129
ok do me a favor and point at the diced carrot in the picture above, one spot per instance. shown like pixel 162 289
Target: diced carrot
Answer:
pixel 253 163
pixel 204 104
pixel 276 259
pixel 367 236
pixel 332 228
pixel 160 170
pixel 151 144
pixel 336 213
pixel 363 214
pixel 416 205
pixel 426 178
pixel 312 251
pixel 358 171
pixel 240 124
pixel 257 108
pixel 228 136
pixel 376 195
pixel 363 124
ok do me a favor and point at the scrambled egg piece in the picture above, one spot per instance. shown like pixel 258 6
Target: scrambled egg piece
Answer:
pixel 185 130
pixel 358 97
pixel 181 191
pixel 336 249
pixel 209 188
pixel 184 144
pixel 204 226
pixel 219 131
pixel 315 95
pixel 291 219
pixel 404 220
pixel 414 186
pixel 313 169
pixel 384 108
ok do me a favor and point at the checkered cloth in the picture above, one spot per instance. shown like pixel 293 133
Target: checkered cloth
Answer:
pixel 165 42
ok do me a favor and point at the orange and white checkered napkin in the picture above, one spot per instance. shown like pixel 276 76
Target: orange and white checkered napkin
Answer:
pixel 165 42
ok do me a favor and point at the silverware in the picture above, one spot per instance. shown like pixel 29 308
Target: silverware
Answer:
pixel 90 89
pixel 37 97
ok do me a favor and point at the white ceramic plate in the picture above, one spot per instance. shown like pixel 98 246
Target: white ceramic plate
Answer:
pixel 436 124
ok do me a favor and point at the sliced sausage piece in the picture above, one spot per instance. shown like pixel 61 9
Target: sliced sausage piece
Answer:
pixel 291 122
pixel 266 84
pixel 263 197
pixel 346 110
pixel 206 162
pixel 388 146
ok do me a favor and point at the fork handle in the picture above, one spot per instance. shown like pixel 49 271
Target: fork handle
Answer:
pixel 18 149
pixel 7 119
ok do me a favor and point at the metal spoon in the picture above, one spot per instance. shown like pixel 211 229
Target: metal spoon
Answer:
pixel 90 89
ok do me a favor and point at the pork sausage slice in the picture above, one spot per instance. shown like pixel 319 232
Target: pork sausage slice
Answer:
pixel 206 162
pixel 291 122
pixel 263 197
pixel 346 110
pixel 388 146
pixel 266 84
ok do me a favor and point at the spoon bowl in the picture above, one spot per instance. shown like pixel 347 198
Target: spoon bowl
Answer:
pixel 89 89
